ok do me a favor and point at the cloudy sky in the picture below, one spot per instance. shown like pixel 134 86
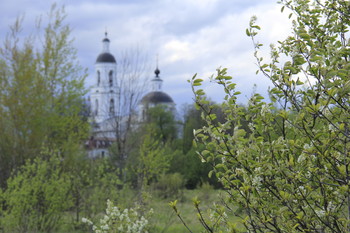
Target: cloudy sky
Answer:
pixel 189 36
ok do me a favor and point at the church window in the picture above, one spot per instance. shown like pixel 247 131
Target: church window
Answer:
pixel 98 78
pixel 111 107
pixel 96 107
pixel 111 78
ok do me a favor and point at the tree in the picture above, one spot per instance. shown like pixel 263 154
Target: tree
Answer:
pixel 130 86
pixel 193 170
pixel 290 173
pixel 153 160
pixel 192 121
pixel 41 92
pixel 163 123
pixel 188 163
pixel 37 196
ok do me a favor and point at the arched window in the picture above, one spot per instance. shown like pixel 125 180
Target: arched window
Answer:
pixel 98 78
pixel 96 107
pixel 111 107
pixel 110 78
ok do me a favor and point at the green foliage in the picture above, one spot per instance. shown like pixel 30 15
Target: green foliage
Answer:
pixel 192 121
pixel 170 185
pixel 193 170
pixel 36 197
pixel 153 145
pixel 102 183
pixel 189 163
pixel 205 190
pixel 290 171
pixel 40 93
pixel 216 220
pixel 153 160
pixel 162 122
pixel 213 219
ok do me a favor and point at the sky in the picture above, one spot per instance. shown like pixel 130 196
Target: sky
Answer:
pixel 187 36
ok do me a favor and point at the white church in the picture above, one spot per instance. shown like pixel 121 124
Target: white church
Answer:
pixel 104 97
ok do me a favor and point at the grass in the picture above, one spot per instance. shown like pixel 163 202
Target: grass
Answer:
pixel 165 220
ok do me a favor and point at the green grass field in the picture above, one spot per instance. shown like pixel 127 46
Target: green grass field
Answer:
pixel 165 220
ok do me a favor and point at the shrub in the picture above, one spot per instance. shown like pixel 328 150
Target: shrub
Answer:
pixel 115 220
pixel 170 185
pixel 36 197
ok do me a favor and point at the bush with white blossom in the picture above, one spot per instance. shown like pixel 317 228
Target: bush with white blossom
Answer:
pixel 116 220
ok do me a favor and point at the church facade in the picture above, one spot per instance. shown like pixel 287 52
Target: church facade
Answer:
pixel 104 100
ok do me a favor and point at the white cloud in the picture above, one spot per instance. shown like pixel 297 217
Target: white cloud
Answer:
pixel 177 50
pixel 190 36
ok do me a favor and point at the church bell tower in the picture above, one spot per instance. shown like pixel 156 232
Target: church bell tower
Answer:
pixel 104 94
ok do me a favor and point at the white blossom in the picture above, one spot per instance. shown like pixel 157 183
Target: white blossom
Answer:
pixel 239 171
pixel 256 181
pixel 307 146
pixel 127 220
pixel 302 189
pixel 301 158
pixel 331 128
pixel 264 109
pixel 308 174
pixel 257 170
pixel 320 213
pixel 85 220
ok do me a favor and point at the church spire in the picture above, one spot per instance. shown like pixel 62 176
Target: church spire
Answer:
pixel 157 71
pixel 105 43
pixel 157 81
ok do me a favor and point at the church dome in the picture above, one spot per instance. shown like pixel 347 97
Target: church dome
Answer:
pixel 105 57
pixel 157 97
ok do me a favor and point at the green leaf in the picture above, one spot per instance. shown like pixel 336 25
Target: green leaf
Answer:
pixel 304 36
pixel 198 80
pixel 299 60
pixel 256 26
pixel 299 82
pixel 247 32
pixel 210 174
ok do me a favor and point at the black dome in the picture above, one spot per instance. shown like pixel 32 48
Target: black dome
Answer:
pixel 106 57
pixel 157 97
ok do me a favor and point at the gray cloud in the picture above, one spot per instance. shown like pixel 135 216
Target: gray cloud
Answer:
pixel 190 36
